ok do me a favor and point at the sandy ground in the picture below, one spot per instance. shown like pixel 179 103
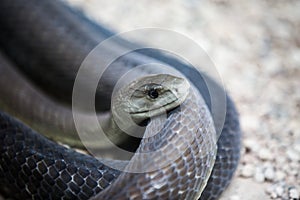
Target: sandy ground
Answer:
pixel 255 47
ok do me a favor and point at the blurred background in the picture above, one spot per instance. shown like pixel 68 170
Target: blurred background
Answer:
pixel 255 46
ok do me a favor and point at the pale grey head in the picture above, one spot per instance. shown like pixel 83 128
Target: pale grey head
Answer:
pixel 149 96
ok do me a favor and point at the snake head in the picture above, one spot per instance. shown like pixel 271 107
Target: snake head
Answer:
pixel 150 96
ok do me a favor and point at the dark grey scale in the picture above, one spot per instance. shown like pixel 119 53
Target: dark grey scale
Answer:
pixel 31 166
pixel 226 160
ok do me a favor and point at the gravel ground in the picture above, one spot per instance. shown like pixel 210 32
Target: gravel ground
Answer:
pixel 255 47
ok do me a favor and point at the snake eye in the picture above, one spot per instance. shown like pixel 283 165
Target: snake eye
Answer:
pixel 153 93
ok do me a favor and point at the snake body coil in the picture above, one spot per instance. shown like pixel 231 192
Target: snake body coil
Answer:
pixel 32 167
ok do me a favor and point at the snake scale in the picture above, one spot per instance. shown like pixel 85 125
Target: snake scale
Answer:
pixel 45 42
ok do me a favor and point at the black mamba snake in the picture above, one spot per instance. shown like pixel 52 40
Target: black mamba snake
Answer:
pixel 32 167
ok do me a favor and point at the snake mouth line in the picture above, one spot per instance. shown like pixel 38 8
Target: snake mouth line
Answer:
pixel 156 110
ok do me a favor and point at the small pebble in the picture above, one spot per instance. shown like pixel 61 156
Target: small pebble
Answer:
pixel 293 193
pixel 265 154
pixel 271 192
pixel 279 191
pixel 235 197
pixel 251 145
pixel 293 155
pixel 280 175
pixel 259 175
pixel 281 159
pixel 247 171
pixel 297 147
pixel 269 173
pixel 276 190
pixel 293 168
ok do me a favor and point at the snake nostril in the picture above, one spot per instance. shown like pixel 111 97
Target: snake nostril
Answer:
pixel 153 93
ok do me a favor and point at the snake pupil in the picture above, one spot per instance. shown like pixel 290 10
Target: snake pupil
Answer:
pixel 152 93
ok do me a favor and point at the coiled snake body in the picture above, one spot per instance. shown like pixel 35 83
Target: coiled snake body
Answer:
pixel 33 167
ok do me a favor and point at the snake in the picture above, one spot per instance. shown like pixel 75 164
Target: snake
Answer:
pixel 48 39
